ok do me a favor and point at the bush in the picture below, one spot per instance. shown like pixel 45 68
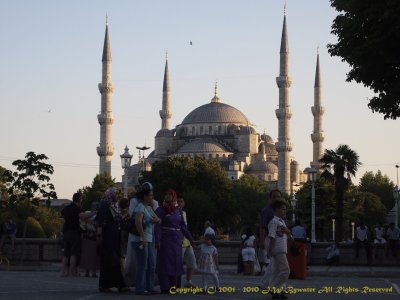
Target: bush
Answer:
pixel 34 229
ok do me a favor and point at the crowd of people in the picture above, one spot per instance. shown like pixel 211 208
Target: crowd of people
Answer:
pixel 143 244
pixel 136 243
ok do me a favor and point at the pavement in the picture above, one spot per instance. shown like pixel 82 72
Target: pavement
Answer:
pixel 21 285
pixel 313 271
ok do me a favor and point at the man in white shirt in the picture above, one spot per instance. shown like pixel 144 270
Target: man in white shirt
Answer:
pixel 362 237
pixel 379 238
pixel 278 234
pixel 299 232
pixel 393 238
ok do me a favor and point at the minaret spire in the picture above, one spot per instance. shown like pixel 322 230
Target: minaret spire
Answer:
pixel 106 150
pixel 165 112
pixel 317 110
pixel 216 98
pixel 284 114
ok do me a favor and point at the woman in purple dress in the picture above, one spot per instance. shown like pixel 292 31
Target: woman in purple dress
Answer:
pixel 168 240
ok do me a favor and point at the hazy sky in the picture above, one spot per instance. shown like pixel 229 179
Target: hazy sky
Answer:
pixel 50 59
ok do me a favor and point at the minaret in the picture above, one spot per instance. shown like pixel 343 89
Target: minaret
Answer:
pixel 284 113
pixel 106 118
pixel 317 136
pixel 165 113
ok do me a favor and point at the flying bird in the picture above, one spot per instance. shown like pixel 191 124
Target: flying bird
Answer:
pixel 190 43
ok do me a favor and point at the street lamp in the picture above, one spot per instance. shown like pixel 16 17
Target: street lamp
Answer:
pixel 396 196
pixel 293 201
pixel 313 176
pixel 333 229
pixel 352 230
pixel 126 163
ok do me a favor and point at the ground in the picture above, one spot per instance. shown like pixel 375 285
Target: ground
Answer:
pixel 48 285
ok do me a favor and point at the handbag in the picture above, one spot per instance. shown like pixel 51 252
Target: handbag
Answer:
pixel 129 225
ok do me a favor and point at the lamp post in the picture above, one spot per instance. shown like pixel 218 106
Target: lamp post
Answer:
pixel 333 229
pixel 396 197
pixel 293 201
pixel 313 176
pixel 352 230
pixel 396 194
pixel 126 163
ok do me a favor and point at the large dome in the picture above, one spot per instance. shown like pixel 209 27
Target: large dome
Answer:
pixel 216 112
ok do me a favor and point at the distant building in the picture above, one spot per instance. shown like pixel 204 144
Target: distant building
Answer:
pixel 57 204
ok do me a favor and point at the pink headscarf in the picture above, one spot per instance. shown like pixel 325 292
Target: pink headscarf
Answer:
pixel 171 206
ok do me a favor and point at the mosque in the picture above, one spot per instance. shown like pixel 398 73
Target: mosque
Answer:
pixel 221 132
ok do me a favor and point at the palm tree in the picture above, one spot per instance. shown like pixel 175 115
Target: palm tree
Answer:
pixel 339 165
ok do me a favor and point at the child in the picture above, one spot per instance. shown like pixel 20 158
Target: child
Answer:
pixel 278 234
pixel 208 261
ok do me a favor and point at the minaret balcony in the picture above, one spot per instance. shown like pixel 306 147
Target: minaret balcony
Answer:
pixel 105 150
pixel 105 118
pixel 317 137
pixel 284 146
pixel 284 113
pixel 283 81
pixel 317 110
pixel 165 114
pixel 107 87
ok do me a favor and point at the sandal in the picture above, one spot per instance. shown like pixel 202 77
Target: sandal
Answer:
pixel 124 290
pixel 145 293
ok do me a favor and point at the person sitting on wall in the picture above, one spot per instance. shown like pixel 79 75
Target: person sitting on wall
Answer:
pixel 333 254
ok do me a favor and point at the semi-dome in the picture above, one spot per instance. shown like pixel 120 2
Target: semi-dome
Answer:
pixel 164 132
pixel 216 112
pixel 202 146
pixel 264 166
pixel 268 139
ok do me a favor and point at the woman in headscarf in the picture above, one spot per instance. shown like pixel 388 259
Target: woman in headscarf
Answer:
pixel 108 219
pixel 168 240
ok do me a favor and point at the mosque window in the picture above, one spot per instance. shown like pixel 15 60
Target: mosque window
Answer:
pixel 210 156
pixel 210 129
pixel 219 129
pixel 193 130
pixel 201 129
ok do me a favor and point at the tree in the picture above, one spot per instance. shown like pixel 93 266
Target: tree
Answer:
pixel 338 166
pixel 249 195
pixel 101 182
pixel 368 208
pixel 190 175
pixel 368 39
pixel 31 180
pixel 380 185
pixel 325 204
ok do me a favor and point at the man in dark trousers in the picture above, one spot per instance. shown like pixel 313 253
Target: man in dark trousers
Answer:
pixel 72 234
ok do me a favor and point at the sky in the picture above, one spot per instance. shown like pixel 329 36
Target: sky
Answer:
pixel 50 59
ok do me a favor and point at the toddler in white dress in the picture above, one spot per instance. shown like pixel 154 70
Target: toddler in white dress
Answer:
pixel 208 261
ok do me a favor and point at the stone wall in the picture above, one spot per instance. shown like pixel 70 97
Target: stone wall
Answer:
pixel 48 250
